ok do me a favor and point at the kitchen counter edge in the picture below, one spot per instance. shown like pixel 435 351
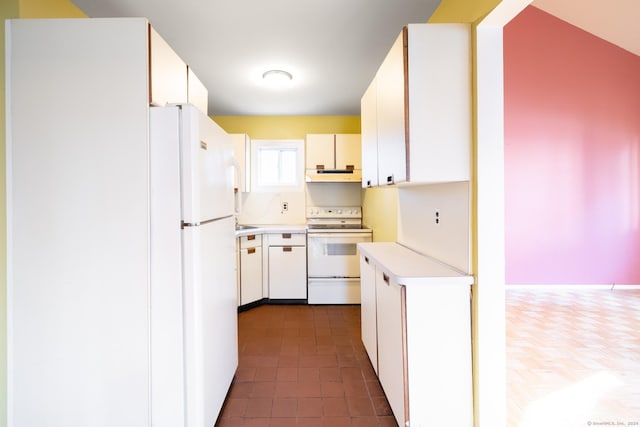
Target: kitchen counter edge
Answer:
pixel 408 267
pixel 269 229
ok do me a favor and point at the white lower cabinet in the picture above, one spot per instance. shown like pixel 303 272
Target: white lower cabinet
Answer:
pixel 422 345
pixel 250 269
pixel 368 309
pixel 287 266
pixel 391 347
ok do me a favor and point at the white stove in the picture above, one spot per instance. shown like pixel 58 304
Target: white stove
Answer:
pixel 335 218
pixel 333 261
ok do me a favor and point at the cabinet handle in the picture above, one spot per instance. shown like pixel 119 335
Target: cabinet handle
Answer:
pixel 366 259
pixel 350 167
pixel 385 278
pixel 319 167
pixel 251 237
pixel 287 249
pixel 286 235
pixel 369 183
pixel 390 179
pixel 251 251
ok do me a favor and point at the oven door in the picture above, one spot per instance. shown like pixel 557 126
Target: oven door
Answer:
pixel 334 254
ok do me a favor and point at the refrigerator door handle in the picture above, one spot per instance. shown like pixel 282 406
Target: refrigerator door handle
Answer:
pixel 184 225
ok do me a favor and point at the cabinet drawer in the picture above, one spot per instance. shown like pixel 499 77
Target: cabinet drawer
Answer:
pixel 288 239
pixel 250 241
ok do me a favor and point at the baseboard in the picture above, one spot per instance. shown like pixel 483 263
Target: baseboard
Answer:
pixel 573 287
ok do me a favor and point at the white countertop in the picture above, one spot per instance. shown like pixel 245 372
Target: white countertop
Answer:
pixel 408 267
pixel 274 228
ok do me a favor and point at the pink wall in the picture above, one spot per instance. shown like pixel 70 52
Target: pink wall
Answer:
pixel 572 155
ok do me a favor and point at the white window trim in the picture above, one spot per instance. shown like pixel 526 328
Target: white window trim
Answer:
pixel 295 144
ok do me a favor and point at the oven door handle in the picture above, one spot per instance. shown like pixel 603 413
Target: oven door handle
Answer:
pixel 364 237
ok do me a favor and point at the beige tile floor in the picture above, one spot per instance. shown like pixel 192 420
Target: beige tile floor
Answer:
pixel 573 357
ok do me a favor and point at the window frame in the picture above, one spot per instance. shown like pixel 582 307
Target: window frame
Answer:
pixel 257 145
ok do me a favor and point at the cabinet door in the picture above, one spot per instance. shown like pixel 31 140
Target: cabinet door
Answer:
pixel 368 309
pixel 168 79
pixel 440 103
pixel 320 151
pixel 390 315
pixel 287 272
pixel 197 93
pixel 241 150
pixel 348 150
pixel 250 275
pixel 390 106
pixel 369 129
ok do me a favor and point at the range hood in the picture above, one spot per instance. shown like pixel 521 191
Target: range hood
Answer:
pixel 333 175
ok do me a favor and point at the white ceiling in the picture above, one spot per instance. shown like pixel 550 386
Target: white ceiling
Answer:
pixel 332 47
pixel 617 21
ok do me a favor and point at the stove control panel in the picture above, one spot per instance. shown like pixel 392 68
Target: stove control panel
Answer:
pixel 334 212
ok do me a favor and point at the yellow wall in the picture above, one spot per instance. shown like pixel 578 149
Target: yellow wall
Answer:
pixel 380 212
pixel 288 127
pixel 466 11
pixel 49 9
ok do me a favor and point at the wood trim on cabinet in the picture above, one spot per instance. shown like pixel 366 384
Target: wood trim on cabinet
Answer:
pixel 149 74
pixel 405 356
pixel 405 57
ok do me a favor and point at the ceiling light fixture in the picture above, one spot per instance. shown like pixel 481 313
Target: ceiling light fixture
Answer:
pixel 277 77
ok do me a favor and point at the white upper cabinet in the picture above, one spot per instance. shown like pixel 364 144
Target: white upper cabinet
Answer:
pixel 241 155
pixel 339 153
pixel 168 73
pixel 197 93
pixel 348 148
pixel 369 130
pixel 320 151
pixel 422 108
pixel 390 113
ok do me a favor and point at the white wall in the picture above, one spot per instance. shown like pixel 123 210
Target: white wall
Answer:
pixel 447 240
pixel 266 208
pixel 333 193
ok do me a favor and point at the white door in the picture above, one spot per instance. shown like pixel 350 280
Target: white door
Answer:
pixel 210 318
pixel 320 150
pixel 368 309
pixel 250 274
pixel 390 111
pixel 390 343
pixel 206 168
pixel 348 151
pixel 369 137
pixel 334 254
pixel 287 272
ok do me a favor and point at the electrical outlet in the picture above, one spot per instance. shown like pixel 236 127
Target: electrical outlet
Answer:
pixel 284 207
pixel 437 216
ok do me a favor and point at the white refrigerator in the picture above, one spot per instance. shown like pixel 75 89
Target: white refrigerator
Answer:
pixel 194 338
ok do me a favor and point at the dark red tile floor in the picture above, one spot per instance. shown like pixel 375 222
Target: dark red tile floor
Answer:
pixel 304 366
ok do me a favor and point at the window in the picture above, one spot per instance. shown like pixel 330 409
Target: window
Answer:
pixel 277 165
